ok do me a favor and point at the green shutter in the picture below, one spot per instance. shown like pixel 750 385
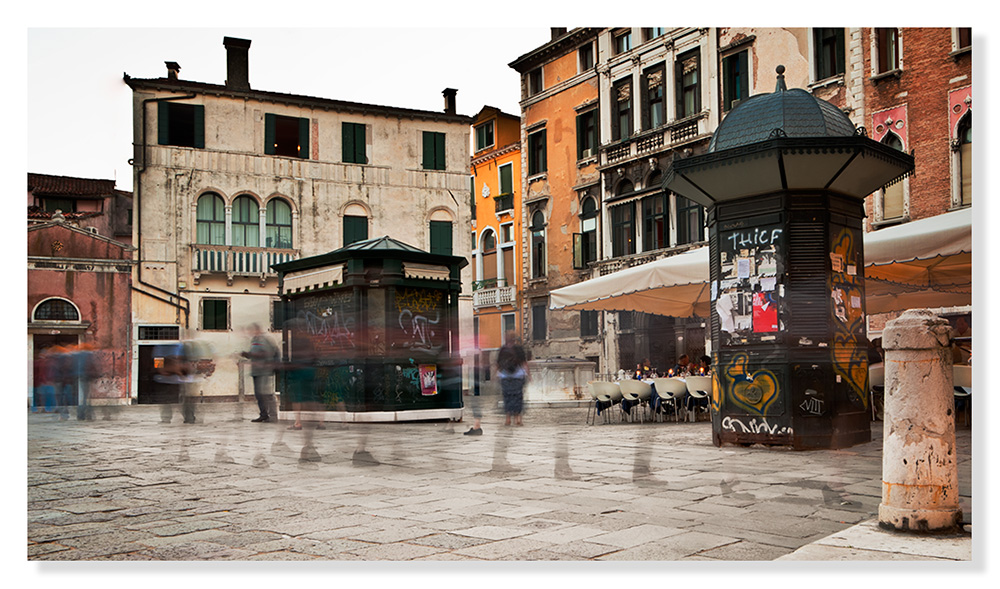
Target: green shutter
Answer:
pixel 347 134
pixel 578 251
pixel 360 144
pixel 506 179
pixel 199 126
pixel 428 150
pixel 269 133
pixel 304 138
pixel 543 164
pixel 441 237
pixel 439 150
pixel 163 123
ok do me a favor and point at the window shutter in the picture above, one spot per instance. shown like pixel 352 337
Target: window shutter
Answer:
pixel 304 138
pixel 544 163
pixel 347 135
pixel 199 126
pixel 506 180
pixel 578 251
pixel 360 145
pixel 269 133
pixel 441 237
pixel 428 150
pixel 163 123
pixel 439 150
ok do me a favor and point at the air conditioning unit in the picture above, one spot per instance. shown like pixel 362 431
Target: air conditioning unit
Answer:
pixel 587 153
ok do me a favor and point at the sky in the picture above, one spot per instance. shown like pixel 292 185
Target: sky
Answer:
pixel 76 91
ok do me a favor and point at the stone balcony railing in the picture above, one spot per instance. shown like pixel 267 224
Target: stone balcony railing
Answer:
pixel 602 267
pixel 647 142
pixel 234 260
pixel 494 296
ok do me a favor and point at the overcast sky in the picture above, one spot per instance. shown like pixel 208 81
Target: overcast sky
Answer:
pixel 79 109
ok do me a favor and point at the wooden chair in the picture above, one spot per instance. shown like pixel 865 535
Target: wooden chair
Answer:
pixel 963 391
pixel 876 386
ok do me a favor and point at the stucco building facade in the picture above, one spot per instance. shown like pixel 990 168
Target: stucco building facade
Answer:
pixel 496 232
pixel 230 179
pixel 613 107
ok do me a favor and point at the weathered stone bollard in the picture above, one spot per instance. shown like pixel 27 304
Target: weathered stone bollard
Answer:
pixel 919 465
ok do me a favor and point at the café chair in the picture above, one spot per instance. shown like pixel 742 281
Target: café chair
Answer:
pixel 876 385
pixel 608 394
pixel 963 391
pixel 698 388
pixel 638 393
pixel 671 391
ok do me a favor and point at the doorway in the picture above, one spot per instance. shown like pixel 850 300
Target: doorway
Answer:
pixel 149 391
pixel 41 395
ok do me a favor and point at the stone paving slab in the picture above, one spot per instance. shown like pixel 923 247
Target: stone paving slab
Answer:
pixel 223 489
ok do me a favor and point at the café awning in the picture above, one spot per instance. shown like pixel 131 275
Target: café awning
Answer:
pixel 920 264
pixel 676 286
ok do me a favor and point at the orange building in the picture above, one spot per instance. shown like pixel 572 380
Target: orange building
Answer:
pixel 496 231
pixel 561 189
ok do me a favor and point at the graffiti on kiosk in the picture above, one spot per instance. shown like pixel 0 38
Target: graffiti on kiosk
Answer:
pixel 419 318
pixel 849 356
pixel 330 328
pixel 754 237
pixel 812 406
pixel 754 427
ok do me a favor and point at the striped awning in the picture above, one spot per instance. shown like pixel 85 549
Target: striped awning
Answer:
pixel 426 271
pixel 313 278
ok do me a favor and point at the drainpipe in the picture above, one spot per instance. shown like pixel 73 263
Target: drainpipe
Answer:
pixel 137 196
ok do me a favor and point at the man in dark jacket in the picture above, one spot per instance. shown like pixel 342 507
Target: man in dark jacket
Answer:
pixel 263 355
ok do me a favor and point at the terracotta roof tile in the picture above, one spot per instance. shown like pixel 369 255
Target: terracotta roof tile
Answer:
pixel 46 185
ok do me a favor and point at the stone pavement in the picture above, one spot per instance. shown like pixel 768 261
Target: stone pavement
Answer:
pixel 128 487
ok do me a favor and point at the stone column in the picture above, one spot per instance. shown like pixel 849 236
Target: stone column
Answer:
pixel 919 466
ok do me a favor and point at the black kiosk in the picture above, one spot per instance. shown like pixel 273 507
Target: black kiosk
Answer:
pixel 784 181
pixel 382 319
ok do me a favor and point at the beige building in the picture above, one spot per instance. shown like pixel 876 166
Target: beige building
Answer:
pixel 229 180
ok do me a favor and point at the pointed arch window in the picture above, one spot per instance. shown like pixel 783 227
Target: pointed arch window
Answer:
pixel 893 197
pixel 965 159
pixel 210 227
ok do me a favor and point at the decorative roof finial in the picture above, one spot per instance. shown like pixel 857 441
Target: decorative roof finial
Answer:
pixel 780 87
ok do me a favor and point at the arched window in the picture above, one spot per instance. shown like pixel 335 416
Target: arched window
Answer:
pixel 56 310
pixel 355 224
pixel 893 198
pixel 246 222
pixel 586 250
pixel 211 220
pixel 965 158
pixel 624 188
pixel 278 219
pixel 488 251
pixel 537 229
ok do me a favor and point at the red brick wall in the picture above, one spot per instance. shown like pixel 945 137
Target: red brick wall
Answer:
pixel 928 74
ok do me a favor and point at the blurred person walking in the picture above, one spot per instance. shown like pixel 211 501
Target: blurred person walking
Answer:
pixel 263 355
pixel 512 370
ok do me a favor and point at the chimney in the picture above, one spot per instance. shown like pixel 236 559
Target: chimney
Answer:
pixel 172 68
pixel 237 63
pixel 449 100
pixel 557 32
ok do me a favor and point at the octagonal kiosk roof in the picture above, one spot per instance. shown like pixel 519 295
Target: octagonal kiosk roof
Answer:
pixel 787 140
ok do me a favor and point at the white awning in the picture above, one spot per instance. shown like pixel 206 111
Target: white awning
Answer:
pixel 313 278
pixel 426 271
pixel 676 286
pixel 925 263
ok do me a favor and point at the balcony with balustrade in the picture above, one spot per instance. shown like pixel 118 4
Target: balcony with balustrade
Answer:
pixel 672 135
pixel 493 292
pixel 234 261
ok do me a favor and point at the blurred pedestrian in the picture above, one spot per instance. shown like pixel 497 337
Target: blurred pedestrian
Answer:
pixel 300 377
pixel 85 371
pixel 512 370
pixel 263 355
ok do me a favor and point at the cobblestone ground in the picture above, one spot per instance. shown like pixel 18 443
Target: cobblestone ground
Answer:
pixel 128 487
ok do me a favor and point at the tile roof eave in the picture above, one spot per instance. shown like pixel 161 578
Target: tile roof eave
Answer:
pixel 291 99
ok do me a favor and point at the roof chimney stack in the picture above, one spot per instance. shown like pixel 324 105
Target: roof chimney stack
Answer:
pixel 237 63
pixel 557 32
pixel 449 100
pixel 172 68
